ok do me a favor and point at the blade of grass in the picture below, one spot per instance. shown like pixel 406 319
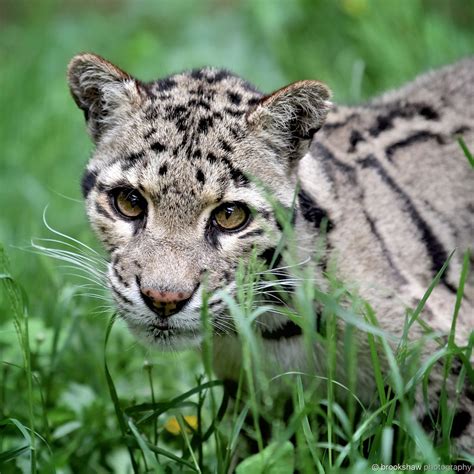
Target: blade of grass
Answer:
pixel 17 298
pixel 113 395
pixel 150 460
pixel 466 151
pixel 184 428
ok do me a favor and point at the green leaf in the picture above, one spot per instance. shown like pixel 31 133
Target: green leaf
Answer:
pixel 13 453
pixel 466 151
pixel 277 458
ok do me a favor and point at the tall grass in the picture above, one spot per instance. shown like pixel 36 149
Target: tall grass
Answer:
pixel 320 424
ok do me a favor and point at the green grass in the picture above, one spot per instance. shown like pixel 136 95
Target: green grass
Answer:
pixel 62 409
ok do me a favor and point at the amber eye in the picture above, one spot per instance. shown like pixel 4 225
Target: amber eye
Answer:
pixel 130 203
pixel 231 216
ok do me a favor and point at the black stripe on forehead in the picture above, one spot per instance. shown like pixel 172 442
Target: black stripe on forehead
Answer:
pixel 236 174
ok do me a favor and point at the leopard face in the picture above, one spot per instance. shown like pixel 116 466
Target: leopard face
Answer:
pixel 177 188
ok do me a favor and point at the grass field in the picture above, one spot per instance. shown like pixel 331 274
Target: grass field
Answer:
pixel 95 418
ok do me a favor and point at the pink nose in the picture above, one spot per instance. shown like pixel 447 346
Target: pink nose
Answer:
pixel 165 303
pixel 166 296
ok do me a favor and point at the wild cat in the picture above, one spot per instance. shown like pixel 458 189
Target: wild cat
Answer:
pixel 177 191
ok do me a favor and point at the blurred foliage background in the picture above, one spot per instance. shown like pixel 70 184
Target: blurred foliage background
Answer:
pixel 358 47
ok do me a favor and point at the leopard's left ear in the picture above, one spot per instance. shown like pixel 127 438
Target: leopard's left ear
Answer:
pixel 106 94
pixel 291 116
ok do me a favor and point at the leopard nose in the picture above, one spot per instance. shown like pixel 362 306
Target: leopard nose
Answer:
pixel 165 303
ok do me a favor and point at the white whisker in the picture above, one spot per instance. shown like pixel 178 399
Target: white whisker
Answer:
pixel 54 231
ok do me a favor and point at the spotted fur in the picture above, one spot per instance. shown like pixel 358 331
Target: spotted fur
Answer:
pixel 387 179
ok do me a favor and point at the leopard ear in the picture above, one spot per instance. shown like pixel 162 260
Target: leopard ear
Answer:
pixel 291 116
pixel 105 93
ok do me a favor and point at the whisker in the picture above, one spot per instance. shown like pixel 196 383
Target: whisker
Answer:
pixel 60 255
pixel 87 277
pixel 94 296
pixel 97 259
pixel 303 262
pixel 54 231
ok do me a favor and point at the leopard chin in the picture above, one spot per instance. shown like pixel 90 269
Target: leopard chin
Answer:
pixel 167 340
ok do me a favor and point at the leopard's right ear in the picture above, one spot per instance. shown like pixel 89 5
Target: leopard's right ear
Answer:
pixel 106 94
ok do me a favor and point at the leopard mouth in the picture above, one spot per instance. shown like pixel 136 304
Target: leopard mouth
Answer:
pixel 174 338
pixel 164 334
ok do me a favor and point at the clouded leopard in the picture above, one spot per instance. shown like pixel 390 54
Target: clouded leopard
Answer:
pixel 177 190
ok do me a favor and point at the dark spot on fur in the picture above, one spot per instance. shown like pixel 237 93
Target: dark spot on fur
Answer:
pixel 88 181
pixel 268 256
pixel 220 76
pixel 217 115
pixel 382 123
pixel 461 130
pixel 165 84
pixel 204 124
pixel 253 101
pixel 237 176
pixel 135 157
pixel 200 176
pixel 163 169
pixel 235 132
pixel 234 113
pixel 158 147
pixel 199 103
pixel 197 74
pixel 211 158
pixel 461 421
pixel 287 330
pixel 354 139
pixel 179 114
pixel 312 212
pixel 197 154
pixel 225 146
pixel 151 113
pixel 428 113
pixel 234 97
pixel 150 133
